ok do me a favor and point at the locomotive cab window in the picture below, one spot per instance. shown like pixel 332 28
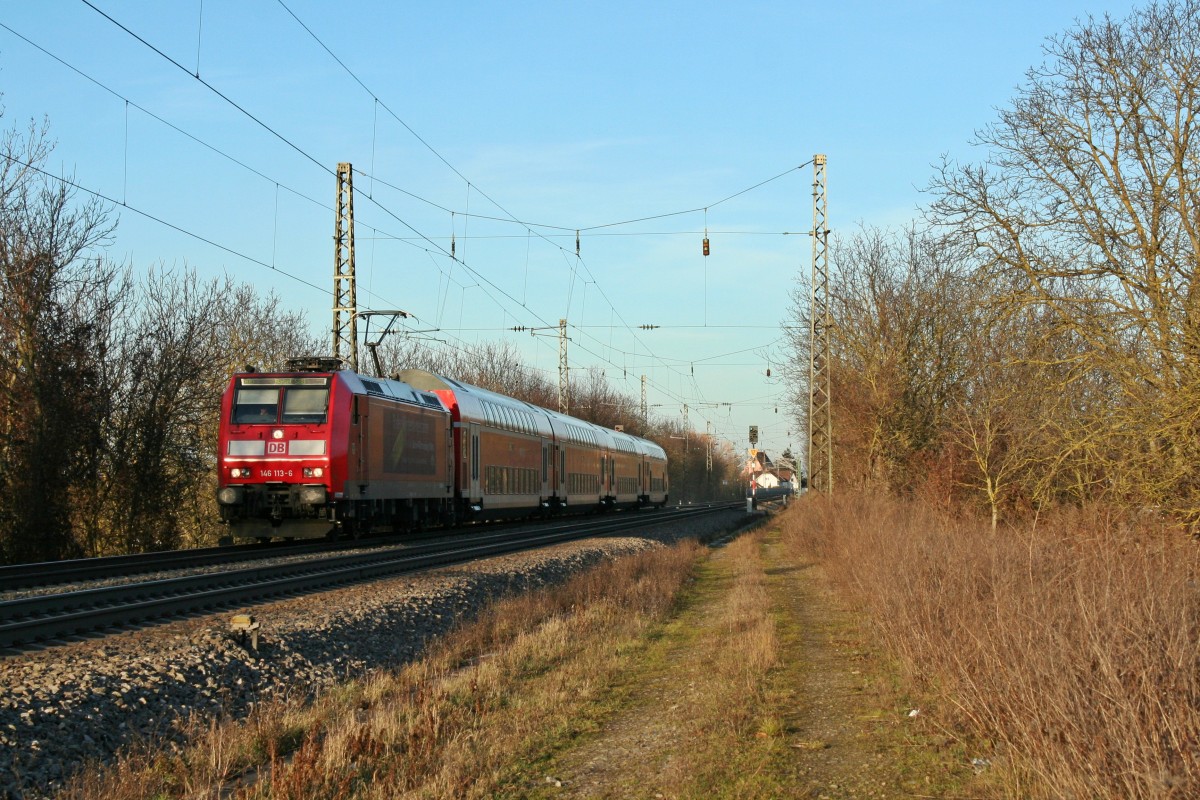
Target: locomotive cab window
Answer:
pixel 304 406
pixel 256 405
pixel 257 400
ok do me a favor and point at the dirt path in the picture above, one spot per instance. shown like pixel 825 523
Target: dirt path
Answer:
pixel 846 742
pixel 815 719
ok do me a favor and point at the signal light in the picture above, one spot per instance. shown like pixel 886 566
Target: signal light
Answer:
pixel 705 245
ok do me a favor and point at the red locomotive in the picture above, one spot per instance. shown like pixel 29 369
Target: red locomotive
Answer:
pixel 318 449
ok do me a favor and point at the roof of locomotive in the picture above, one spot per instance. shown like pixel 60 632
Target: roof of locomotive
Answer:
pixel 390 387
pixel 358 384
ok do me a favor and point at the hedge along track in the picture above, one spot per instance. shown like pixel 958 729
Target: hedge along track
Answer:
pixel 49 618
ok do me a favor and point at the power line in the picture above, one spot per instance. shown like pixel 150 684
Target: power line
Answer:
pixel 568 236
pixel 165 122
pixel 160 221
pixel 479 276
pixel 193 138
pixel 698 208
pixel 292 144
pixel 212 89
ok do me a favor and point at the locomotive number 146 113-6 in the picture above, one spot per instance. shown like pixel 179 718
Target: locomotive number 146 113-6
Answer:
pixel 277 473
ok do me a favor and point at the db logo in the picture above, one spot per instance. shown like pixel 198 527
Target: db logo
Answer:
pixel 276 448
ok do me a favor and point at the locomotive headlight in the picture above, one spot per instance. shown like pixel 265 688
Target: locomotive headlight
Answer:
pixel 277 433
pixel 230 496
pixel 312 495
pixel 239 472
pixel 313 472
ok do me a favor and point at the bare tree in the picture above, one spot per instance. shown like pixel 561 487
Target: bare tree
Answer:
pixel 1088 204
pixel 55 305
pixel 901 309
pixel 181 339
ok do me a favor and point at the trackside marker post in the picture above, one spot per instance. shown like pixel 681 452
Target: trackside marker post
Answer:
pixel 243 624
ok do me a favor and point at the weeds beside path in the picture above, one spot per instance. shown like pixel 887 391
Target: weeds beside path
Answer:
pixel 681 672
pixel 760 688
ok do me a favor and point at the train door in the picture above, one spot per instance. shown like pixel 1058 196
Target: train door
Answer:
pixel 362 460
pixel 474 429
pixel 564 485
pixel 545 468
pixel 448 429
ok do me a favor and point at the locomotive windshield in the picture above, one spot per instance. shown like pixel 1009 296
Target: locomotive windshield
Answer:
pixel 256 405
pixel 305 405
pixel 258 400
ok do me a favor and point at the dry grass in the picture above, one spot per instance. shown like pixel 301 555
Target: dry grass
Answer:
pixel 698 716
pixel 451 725
pixel 678 672
pixel 1073 649
pixel 761 687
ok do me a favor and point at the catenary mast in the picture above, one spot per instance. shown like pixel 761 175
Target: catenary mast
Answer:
pixel 345 304
pixel 820 413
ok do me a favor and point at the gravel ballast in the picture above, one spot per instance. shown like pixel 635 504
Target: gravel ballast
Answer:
pixel 65 705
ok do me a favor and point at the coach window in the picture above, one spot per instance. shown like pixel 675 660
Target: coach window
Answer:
pixel 305 406
pixel 256 405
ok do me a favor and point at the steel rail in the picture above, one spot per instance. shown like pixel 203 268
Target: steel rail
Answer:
pixel 50 573
pixel 105 595
pixel 50 617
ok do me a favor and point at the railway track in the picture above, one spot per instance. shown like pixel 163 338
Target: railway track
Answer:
pixel 54 573
pixel 50 617
pixel 50 573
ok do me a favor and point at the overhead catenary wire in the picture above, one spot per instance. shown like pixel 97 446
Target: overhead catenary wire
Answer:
pixel 213 89
pixel 298 149
pixel 218 151
pixel 212 148
pixel 481 279
pixel 101 196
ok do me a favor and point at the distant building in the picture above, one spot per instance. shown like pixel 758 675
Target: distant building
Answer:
pixel 767 474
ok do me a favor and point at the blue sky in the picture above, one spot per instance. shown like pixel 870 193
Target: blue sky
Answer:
pixel 561 115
